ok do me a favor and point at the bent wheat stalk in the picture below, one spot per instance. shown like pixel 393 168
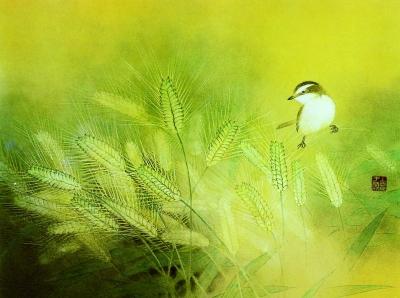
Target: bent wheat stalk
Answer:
pixel 173 114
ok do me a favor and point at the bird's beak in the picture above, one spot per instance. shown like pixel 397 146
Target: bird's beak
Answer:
pixel 290 98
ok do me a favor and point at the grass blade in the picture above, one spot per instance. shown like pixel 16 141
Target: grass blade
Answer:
pixel 362 241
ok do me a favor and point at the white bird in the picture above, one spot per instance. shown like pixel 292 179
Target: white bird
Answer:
pixel 316 113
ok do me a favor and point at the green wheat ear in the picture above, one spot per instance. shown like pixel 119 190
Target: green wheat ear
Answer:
pixel 222 142
pixel 255 158
pixel 134 154
pixel 121 105
pixel 171 106
pixel 256 205
pixel 298 183
pixel 137 217
pixel 102 153
pixel 382 158
pixel 329 180
pixel 156 181
pixel 44 207
pixel 54 178
pixel 69 227
pixel 185 236
pixel 52 150
pixel 278 166
pixel 95 213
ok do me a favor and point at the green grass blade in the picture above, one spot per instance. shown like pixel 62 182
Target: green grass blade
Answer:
pixel 251 268
pixel 362 241
pixel 348 290
pixel 312 292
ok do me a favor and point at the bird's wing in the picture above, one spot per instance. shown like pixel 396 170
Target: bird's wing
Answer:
pixel 298 118
pixel 286 124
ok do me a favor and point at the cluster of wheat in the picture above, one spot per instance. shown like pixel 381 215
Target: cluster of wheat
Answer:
pixel 98 193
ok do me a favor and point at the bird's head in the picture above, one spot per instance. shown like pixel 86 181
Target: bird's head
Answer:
pixel 306 92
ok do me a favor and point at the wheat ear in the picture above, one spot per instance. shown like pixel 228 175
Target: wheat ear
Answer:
pixel 95 213
pixel 255 158
pixel 157 183
pixel 171 106
pixel 137 217
pixel 54 178
pixel 43 207
pixel 381 158
pixel 256 205
pixel 69 227
pixel 185 236
pixel 51 148
pixel 298 183
pixel 121 105
pixel 133 153
pixel 278 166
pixel 102 153
pixel 329 180
pixel 222 142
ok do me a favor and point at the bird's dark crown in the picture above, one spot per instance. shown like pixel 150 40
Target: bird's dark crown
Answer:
pixel 313 88
pixel 305 83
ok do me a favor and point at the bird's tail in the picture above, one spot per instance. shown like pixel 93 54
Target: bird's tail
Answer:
pixel 286 124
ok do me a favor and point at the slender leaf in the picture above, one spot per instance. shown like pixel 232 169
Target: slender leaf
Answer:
pixel 348 290
pixel 362 241
pixel 251 268
pixel 311 292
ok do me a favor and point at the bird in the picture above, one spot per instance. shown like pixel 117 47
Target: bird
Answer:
pixel 317 110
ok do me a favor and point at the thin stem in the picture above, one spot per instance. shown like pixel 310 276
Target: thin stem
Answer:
pixel 304 232
pixel 245 275
pixel 340 217
pixel 190 201
pixel 280 258
pixel 283 215
pixel 201 177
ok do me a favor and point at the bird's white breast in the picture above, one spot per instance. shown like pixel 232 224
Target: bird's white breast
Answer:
pixel 317 114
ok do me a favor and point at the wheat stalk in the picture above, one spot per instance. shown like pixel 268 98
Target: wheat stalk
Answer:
pixel 102 153
pixel 222 142
pixel 298 183
pixel 121 105
pixel 54 178
pixel 256 205
pixel 171 106
pixel 381 158
pixel 278 166
pixel 137 217
pixel 255 158
pixel 94 213
pixel 329 180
